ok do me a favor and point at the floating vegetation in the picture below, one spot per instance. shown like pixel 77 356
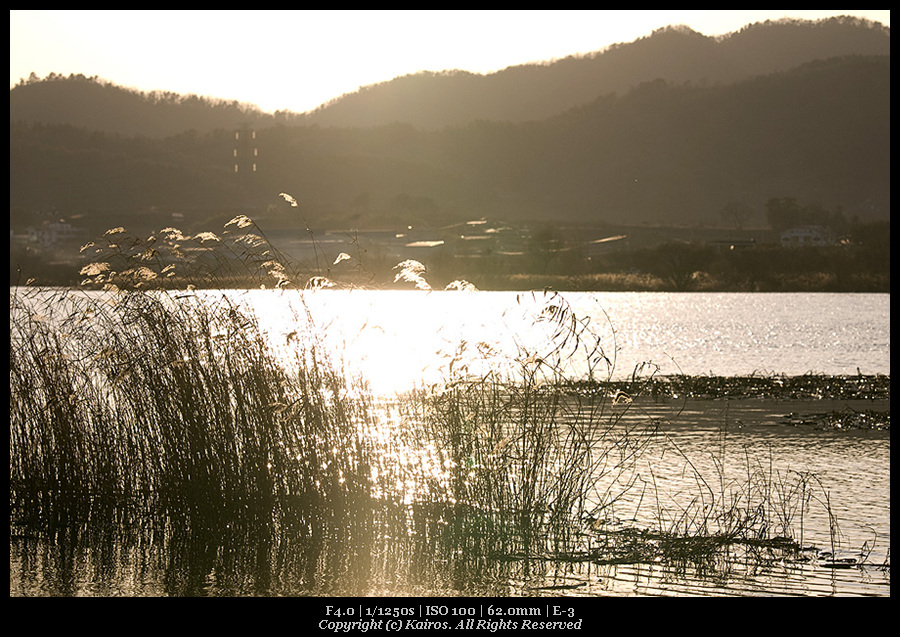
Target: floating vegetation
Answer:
pixel 773 386
pixel 632 545
pixel 845 419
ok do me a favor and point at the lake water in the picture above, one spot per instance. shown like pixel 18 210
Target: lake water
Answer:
pixel 399 340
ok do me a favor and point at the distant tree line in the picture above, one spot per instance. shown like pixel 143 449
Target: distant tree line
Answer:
pixel 152 97
pixel 786 212
pixel 99 105
pixel 860 264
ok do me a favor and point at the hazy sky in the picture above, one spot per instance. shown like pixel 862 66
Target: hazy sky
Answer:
pixel 297 60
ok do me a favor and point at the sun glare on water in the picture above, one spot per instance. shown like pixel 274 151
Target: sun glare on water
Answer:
pixel 393 341
pixel 398 341
pixel 392 346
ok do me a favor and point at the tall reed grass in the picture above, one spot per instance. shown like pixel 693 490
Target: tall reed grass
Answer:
pixel 141 398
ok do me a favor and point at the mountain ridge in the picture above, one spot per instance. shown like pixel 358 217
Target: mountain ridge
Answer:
pixel 432 100
pixel 676 54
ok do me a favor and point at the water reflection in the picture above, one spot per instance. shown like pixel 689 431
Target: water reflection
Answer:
pixel 407 551
pixel 417 564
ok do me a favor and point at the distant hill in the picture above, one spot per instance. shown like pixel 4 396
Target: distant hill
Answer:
pixel 680 126
pixel 537 91
pixel 97 105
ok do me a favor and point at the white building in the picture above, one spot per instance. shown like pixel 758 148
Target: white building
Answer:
pixel 50 235
pixel 802 236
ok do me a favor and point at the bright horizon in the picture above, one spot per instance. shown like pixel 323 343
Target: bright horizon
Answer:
pixel 299 60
